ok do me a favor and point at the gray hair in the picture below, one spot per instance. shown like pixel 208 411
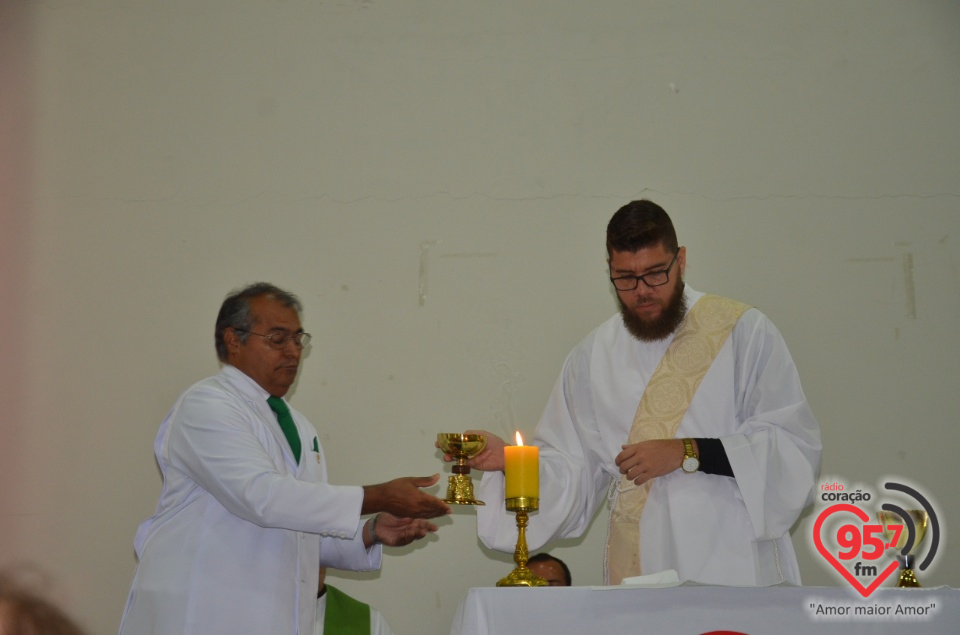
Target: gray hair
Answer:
pixel 235 311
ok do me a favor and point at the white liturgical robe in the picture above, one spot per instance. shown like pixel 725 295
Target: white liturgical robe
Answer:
pixel 711 529
pixel 241 528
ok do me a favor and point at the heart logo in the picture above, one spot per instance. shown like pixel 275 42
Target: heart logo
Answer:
pixel 862 515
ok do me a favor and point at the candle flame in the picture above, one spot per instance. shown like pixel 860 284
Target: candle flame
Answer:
pixel 519 438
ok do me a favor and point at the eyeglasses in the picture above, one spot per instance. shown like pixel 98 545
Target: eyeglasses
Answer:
pixel 652 279
pixel 279 339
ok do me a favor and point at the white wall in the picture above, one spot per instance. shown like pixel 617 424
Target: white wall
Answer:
pixel 434 179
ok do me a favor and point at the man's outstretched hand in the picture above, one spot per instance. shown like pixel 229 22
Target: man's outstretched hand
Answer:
pixel 397 532
pixel 404 498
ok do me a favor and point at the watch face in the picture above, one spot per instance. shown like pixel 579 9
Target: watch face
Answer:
pixel 690 464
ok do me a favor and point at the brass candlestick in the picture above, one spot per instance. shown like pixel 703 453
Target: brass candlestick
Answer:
pixel 521 575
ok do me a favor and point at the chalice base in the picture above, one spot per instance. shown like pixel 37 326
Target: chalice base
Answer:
pixel 907 580
pixel 460 491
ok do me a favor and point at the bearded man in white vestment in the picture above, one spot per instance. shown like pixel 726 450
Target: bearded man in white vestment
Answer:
pixel 246 516
pixel 747 440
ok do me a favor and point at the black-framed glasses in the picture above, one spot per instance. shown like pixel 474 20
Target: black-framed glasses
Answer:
pixel 652 279
pixel 279 339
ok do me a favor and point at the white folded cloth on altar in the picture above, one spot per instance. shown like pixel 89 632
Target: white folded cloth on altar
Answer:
pixel 661 579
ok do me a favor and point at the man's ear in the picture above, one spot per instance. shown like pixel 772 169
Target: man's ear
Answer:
pixel 231 339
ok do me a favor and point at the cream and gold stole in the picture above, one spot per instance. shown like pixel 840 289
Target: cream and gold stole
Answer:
pixel 663 405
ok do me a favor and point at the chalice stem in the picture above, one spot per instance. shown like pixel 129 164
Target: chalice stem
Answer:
pixel 907 578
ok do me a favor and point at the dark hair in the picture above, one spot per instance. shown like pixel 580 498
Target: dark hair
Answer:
pixel 638 225
pixel 546 557
pixel 235 311
pixel 23 612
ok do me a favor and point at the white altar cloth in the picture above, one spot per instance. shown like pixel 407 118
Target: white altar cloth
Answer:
pixel 697 609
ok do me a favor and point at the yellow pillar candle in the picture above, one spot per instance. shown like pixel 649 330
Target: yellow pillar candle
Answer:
pixel 522 467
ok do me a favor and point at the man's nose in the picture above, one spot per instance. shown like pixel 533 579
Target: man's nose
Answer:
pixel 641 283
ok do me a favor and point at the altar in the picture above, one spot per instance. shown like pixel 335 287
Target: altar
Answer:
pixel 699 609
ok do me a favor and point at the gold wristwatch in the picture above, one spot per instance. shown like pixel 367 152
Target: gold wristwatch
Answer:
pixel 691 462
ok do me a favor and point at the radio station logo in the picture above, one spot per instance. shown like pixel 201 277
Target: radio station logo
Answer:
pixel 867 541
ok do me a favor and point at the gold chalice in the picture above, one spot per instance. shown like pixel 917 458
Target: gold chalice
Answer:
pixel 892 519
pixel 461 447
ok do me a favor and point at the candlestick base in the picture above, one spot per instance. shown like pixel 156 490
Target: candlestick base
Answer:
pixel 522 575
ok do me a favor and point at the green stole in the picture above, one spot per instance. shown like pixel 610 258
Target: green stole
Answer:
pixel 344 615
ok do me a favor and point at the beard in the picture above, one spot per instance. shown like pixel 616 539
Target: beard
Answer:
pixel 658 328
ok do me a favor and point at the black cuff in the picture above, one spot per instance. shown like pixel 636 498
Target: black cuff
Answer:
pixel 713 458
